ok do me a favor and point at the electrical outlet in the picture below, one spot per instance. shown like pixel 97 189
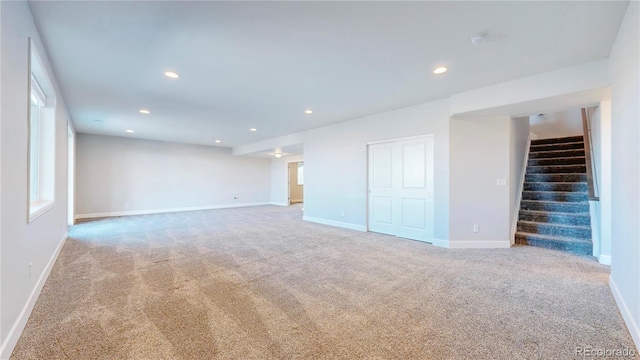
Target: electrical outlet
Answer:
pixel 30 270
pixel 476 228
pixel 126 205
pixel 201 201
pixel 501 182
pixel 342 213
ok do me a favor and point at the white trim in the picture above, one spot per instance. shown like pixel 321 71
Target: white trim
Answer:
pixel 604 259
pixel 335 223
pixel 159 211
pixel 632 326
pixel 415 137
pixel 37 208
pixel 480 244
pixel 516 215
pixel 594 214
pixel 278 203
pixel 440 243
pixel 17 328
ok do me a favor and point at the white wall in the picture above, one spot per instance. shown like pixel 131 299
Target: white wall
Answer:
pixel 279 179
pixel 38 241
pixel 518 146
pixel 557 124
pixel 479 155
pixel 625 170
pixel 113 172
pixel 335 159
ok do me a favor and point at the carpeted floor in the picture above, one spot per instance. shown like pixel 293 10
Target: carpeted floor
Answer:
pixel 260 283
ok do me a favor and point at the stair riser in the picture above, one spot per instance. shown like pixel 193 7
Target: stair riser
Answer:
pixel 552 147
pixel 551 218
pixel 545 229
pixel 555 207
pixel 565 169
pixel 548 186
pixel 575 248
pixel 555 154
pixel 556 161
pixel 550 196
pixel 555 178
pixel 557 140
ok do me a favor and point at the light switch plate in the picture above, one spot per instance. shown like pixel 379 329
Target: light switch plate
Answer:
pixel 501 182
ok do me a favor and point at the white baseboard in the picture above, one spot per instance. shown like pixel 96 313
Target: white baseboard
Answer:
pixel 632 326
pixel 159 211
pixel 335 223
pixel 440 243
pixel 480 244
pixel 279 203
pixel 604 259
pixel 17 328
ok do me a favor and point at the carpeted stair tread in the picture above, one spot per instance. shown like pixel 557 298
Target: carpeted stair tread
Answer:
pixel 556 177
pixel 555 217
pixel 557 169
pixel 580 232
pixel 556 153
pixel 568 160
pixel 558 140
pixel 558 196
pixel 556 186
pixel 561 146
pixel 555 206
pixel 576 246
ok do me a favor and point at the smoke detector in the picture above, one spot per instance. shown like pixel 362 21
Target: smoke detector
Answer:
pixel 478 38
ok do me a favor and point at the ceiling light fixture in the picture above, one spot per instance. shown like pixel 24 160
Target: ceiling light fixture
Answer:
pixel 278 155
pixel 308 111
pixel 130 131
pixel 145 111
pixel 171 74
pixel 478 38
pixel 440 70
pixel 253 129
pixel 217 141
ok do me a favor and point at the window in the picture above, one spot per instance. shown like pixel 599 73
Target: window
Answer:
pixel 41 124
pixel 300 173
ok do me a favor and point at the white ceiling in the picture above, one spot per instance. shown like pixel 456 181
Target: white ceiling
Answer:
pixel 261 64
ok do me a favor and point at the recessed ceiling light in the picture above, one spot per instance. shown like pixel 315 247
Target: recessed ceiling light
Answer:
pixel 217 141
pixel 130 131
pixel 440 70
pixel 308 111
pixel 144 111
pixel 171 74
pixel 253 129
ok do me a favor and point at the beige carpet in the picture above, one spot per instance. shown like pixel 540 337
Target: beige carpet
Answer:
pixel 259 283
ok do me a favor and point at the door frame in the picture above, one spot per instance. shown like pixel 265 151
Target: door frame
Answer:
pixel 375 142
pixel 71 166
pixel 289 162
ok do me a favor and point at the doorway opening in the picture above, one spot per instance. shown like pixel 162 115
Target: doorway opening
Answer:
pixel 295 182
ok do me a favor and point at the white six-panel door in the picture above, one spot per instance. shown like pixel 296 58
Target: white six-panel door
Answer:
pixel 401 188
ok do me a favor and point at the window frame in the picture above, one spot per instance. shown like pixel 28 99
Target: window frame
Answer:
pixel 40 86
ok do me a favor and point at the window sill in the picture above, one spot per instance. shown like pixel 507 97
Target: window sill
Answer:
pixel 38 208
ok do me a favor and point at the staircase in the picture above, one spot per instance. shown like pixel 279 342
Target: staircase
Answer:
pixel 554 210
